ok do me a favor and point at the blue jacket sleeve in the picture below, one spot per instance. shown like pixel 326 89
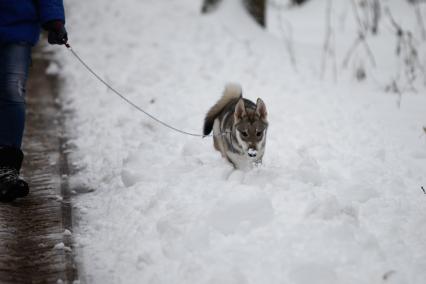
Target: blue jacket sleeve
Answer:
pixel 51 10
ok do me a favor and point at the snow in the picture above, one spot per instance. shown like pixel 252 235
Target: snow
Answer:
pixel 61 246
pixel 337 200
pixel 53 69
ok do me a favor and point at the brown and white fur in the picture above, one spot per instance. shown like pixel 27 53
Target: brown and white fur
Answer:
pixel 239 128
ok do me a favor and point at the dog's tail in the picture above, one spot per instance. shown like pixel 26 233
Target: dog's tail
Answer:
pixel 232 92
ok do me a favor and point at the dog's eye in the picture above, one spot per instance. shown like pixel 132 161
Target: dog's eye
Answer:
pixel 259 133
pixel 244 133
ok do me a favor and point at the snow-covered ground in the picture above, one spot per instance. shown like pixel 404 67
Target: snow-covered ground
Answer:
pixel 338 198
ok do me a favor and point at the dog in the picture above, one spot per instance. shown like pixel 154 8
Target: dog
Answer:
pixel 239 128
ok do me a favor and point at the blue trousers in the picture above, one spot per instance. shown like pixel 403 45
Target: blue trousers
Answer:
pixel 15 60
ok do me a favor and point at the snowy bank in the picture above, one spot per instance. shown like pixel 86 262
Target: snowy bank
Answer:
pixel 337 200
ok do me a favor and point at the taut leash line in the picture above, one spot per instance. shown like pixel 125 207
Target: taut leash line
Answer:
pixel 68 46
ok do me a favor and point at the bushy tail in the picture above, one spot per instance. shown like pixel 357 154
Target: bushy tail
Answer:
pixel 232 92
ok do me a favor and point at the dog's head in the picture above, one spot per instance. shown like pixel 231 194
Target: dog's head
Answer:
pixel 250 126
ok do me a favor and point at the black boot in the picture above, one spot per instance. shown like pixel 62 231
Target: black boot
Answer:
pixel 11 185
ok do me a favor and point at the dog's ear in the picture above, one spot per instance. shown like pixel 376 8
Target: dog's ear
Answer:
pixel 261 110
pixel 240 110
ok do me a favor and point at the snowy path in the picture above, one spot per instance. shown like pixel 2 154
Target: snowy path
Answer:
pixel 338 199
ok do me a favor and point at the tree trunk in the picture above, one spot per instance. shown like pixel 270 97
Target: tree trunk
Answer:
pixel 209 5
pixel 298 2
pixel 257 8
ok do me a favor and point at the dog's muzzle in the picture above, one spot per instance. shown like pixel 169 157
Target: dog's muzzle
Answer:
pixel 252 153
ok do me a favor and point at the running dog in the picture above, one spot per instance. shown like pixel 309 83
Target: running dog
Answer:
pixel 239 128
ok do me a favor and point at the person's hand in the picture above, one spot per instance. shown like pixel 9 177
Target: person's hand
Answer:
pixel 57 32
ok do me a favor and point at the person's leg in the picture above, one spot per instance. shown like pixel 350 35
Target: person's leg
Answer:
pixel 14 64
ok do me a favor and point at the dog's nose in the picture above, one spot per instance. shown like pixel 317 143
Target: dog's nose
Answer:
pixel 252 152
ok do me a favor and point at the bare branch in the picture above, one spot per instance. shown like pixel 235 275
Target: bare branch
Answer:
pixel 394 88
pixel 288 39
pixel 420 21
pixel 376 16
pixel 407 51
pixel 350 52
pixel 328 49
pixel 361 39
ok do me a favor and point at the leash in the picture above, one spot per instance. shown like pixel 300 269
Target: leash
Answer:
pixel 124 98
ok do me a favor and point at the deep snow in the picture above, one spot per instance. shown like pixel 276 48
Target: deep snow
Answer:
pixel 337 200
